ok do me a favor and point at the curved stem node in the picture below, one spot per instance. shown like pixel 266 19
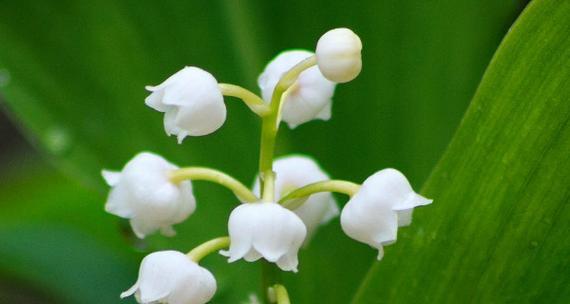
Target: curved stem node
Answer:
pixel 293 199
pixel 208 247
pixel 201 173
pixel 254 102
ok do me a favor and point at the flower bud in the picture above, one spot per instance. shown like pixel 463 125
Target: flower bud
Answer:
pixel 143 193
pixel 171 277
pixel 383 203
pixel 294 172
pixel 310 96
pixel 191 101
pixel 338 55
pixel 265 230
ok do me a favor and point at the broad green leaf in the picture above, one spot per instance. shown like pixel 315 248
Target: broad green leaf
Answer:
pixel 73 73
pixel 499 228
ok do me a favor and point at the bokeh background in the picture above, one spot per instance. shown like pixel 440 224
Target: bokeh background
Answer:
pixel 72 77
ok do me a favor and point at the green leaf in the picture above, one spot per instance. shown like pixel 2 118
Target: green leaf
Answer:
pixel 498 230
pixel 73 73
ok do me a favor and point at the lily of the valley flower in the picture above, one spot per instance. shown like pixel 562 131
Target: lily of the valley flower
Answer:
pixel 338 55
pixel 171 277
pixel 143 193
pixel 310 96
pixel 265 230
pixel 192 103
pixel 384 201
pixel 294 172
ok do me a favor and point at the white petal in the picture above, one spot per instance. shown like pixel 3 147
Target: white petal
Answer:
pixel 196 286
pixel 146 196
pixel 203 117
pixel 158 275
pixel 171 277
pixel 111 177
pixel 265 229
pixel 380 253
pixel 154 100
pixel 240 226
pixel 308 97
pixel 192 102
pixel 338 55
pixel 170 126
pixel 384 202
pixel 404 217
pixel 332 211
pixel 130 291
pixel 318 210
pixel 186 202
pixel 294 172
pixel 142 228
pixel 118 202
pixel 252 256
pixel 288 262
pixel 167 231
pixel 413 200
pixel 326 113
pixel 312 95
pixel 369 223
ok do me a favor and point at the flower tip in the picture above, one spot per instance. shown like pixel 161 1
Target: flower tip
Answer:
pixel 129 292
pixel 422 201
pixel 180 137
pixel 168 231
pixel 380 253
pixel 110 177
pixel 339 55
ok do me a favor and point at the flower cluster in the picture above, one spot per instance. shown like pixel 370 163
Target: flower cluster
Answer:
pixel 291 196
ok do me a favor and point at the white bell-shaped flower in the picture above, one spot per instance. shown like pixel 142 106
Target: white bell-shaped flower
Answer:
pixel 310 96
pixel 265 230
pixel 384 201
pixel 191 101
pixel 171 277
pixel 339 55
pixel 143 193
pixel 294 172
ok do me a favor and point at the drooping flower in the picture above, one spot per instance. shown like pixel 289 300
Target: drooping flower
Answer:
pixel 171 277
pixel 265 230
pixel 294 172
pixel 383 203
pixel 338 55
pixel 192 103
pixel 310 96
pixel 143 193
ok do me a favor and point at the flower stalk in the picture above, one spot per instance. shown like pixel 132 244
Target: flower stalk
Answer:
pixel 278 294
pixel 270 124
pixel 208 247
pixel 207 174
pixel 293 199
pixel 254 102
pixel 269 129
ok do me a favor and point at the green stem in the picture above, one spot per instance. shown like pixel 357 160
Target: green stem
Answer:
pixel 208 247
pixel 291 200
pixel 269 129
pixel 270 123
pixel 200 173
pixel 279 295
pixel 254 102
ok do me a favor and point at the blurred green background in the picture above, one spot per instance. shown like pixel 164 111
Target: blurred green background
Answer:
pixel 72 77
